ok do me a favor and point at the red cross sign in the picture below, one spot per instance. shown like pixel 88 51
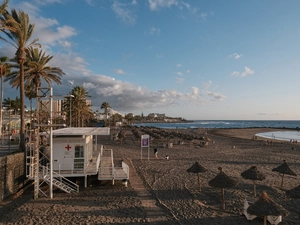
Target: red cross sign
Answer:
pixel 68 147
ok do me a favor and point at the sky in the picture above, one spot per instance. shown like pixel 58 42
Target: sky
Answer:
pixel 199 60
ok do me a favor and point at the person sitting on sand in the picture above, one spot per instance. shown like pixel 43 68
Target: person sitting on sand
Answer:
pixel 155 153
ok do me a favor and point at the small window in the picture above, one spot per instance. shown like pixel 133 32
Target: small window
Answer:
pixel 79 151
pixel 78 163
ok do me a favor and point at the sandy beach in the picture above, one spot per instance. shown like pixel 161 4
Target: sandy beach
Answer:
pixel 171 190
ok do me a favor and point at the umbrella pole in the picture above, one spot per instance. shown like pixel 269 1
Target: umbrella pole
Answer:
pixel 223 201
pixel 265 220
pixel 254 188
pixel 199 182
pixel 282 180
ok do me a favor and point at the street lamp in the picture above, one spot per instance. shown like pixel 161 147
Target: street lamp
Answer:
pixel 70 96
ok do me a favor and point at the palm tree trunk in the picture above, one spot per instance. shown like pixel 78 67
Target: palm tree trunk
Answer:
pixel 22 109
pixel 1 99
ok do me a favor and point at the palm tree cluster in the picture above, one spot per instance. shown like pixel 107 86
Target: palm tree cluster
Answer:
pixel 78 104
pixel 30 63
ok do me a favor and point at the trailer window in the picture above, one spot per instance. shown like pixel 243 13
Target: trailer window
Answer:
pixel 79 151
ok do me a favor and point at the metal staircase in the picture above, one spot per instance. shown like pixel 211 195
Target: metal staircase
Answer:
pixel 60 181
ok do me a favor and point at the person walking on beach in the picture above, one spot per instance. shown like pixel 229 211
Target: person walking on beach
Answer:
pixel 155 153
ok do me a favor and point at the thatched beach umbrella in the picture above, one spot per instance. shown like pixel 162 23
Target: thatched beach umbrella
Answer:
pixel 294 193
pixel 253 174
pixel 197 168
pixel 222 181
pixel 265 206
pixel 284 169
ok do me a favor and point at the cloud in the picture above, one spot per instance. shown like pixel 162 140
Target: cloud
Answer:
pixel 235 73
pixel 246 72
pixel 215 96
pixel 154 31
pixel 179 73
pixel 235 56
pixel 179 80
pixel 188 71
pixel 178 65
pixel 124 13
pixel 119 71
pixel 158 4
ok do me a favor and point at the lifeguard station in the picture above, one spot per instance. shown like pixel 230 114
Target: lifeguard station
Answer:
pixel 55 155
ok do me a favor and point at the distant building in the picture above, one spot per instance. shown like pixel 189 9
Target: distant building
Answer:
pixel 156 115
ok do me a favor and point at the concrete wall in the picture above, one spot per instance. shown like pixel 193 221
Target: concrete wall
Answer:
pixel 12 176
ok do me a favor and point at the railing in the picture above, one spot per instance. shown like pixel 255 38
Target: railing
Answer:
pixel 70 168
pixel 63 182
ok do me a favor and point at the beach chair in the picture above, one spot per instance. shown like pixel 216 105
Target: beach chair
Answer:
pixel 248 216
pixel 274 220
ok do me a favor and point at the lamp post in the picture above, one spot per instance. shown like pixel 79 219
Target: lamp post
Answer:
pixel 70 96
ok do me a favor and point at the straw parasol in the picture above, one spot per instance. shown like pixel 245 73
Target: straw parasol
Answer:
pixel 265 206
pixel 197 168
pixel 294 193
pixel 222 181
pixel 284 169
pixel 253 174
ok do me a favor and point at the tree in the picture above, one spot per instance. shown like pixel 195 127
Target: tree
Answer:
pixel 105 106
pixel 4 69
pixel 79 106
pixel 116 117
pixel 16 26
pixel 14 104
pixel 3 6
pixel 36 70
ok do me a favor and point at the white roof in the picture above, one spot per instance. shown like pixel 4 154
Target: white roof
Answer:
pixel 70 131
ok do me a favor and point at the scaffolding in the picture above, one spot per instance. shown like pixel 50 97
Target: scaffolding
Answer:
pixel 39 145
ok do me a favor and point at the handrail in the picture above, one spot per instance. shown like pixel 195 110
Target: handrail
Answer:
pixel 62 179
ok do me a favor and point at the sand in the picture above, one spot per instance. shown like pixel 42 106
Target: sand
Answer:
pixel 161 191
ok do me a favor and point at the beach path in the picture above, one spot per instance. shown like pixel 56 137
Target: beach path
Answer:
pixel 154 213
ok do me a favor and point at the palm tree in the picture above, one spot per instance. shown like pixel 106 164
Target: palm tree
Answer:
pixel 3 6
pixel 4 67
pixel 105 106
pixel 36 70
pixel 12 104
pixel 16 26
pixel 79 105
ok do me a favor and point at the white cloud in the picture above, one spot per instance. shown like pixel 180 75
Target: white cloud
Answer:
pixel 187 5
pixel 154 31
pixel 235 56
pixel 179 65
pixel 235 73
pixel 124 13
pixel 188 71
pixel 119 71
pixel 158 4
pixel 179 73
pixel 215 96
pixel 247 71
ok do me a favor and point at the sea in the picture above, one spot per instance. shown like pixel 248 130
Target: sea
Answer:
pixel 291 124
pixel 223 124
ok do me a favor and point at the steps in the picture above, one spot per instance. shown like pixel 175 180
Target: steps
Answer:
pixel 61 184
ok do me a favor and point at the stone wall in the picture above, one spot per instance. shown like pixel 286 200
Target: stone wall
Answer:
pixel 12 175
